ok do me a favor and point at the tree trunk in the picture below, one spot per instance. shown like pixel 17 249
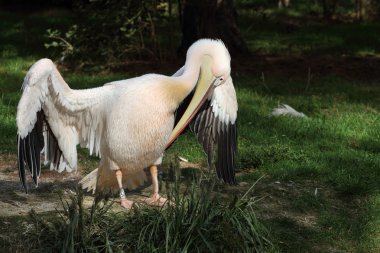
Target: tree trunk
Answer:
pixel 211 19
pixel 329 7
pixel 283 4
pixel 366 9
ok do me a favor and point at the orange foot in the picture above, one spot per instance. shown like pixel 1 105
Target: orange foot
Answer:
pixel 156 200
pixel 126 203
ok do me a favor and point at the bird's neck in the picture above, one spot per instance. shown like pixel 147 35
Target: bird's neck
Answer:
pixel 188 80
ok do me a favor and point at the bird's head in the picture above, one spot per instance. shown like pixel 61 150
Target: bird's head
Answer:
pixel 206 49
pixel 211 59
pixel 221 68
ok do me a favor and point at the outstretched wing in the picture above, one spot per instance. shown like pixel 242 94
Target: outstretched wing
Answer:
pixel 215 126
pixel 53 119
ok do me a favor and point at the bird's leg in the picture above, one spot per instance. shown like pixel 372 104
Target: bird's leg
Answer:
pixel 124 202
pixel 155 199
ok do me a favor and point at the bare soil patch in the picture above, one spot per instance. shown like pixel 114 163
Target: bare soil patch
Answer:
pixel 53 187
pixel 14 201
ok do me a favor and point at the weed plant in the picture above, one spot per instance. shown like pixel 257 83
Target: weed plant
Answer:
pixel 197 220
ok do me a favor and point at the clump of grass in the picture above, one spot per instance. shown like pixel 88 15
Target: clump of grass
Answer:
pixel 198 220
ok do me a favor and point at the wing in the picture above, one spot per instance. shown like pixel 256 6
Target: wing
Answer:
pixel 215 126
pixel 53 119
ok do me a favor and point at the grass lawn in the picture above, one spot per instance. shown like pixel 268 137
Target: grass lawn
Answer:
pixel 319 187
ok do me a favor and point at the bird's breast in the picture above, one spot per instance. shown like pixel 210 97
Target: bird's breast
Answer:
pixel 138 128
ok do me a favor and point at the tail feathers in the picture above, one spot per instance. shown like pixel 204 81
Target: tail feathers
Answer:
pixel 105 180
pixel 89 181
pixel 286 110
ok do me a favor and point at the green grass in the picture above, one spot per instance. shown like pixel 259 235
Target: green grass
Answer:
pixel 337 147
pixel 336 150
pixel 196 221
pixel 294 35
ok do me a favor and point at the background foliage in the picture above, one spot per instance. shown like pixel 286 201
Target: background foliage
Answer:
pixel 108 32
pixel 320 186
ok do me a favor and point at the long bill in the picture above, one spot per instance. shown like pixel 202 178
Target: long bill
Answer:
pixel 204 86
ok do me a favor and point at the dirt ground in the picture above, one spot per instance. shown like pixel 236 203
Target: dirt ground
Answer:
pixel 14 201
pixel 46 197
pixel 52 187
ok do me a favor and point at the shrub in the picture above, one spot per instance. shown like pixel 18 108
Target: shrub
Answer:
pixel 107 32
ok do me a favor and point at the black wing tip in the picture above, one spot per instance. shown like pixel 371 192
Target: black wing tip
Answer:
pixel 29 149
pixel 21 163
pixel 226 145
pixel 25 186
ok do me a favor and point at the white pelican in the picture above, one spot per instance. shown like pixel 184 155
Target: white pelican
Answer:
pixel 129 123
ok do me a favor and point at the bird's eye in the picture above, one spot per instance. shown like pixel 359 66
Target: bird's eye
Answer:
pixel 219 80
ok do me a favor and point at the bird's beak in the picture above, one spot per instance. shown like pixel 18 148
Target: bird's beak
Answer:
pixel 206 82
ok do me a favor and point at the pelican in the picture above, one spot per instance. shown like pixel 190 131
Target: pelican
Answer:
pixel 129 123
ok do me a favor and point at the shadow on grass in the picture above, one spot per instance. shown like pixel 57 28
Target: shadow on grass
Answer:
pixel 305 35
pixel 291 236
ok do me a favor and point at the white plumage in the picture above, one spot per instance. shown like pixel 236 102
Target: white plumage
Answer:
pixel 127 123
pixel 286 110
